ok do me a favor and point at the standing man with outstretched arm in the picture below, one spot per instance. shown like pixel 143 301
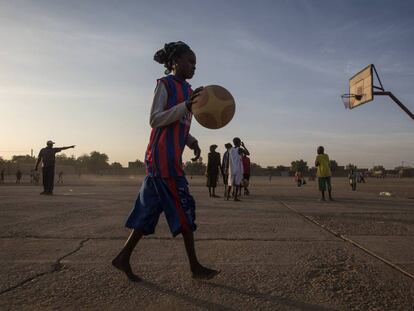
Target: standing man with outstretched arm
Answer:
pixel 47 156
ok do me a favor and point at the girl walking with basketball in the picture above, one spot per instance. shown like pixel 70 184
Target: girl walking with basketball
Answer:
pixel 165 188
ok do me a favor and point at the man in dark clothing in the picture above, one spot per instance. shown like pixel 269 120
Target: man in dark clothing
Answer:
pixel 47 156
pixel 213 167
pixel 18 176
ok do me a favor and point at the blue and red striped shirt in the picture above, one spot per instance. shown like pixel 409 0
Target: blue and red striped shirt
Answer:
pixel 163 157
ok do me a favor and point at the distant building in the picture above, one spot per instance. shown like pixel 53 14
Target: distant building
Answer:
pixel 136 164
pixel 340 171
pixel 406 172
pixel 284 173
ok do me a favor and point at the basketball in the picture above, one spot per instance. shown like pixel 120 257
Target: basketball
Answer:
pixel 214 107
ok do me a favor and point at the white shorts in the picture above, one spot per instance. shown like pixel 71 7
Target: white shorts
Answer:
pixel 235 180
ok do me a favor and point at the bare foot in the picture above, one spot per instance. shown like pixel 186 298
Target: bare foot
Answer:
pixel 120 263
pixel 204 273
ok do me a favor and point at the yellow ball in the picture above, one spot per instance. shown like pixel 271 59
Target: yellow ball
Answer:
pixel 214 107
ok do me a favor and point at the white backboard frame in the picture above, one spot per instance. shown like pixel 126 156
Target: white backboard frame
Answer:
pixel 362 84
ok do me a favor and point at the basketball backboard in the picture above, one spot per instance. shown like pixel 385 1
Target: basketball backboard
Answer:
pixel 361 90
pixel 361 85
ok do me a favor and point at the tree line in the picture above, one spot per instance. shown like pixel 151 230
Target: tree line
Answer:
pixel 95 162
pixel 98 163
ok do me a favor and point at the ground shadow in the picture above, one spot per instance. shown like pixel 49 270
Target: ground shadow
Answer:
pixel 279 300
pixel 186 297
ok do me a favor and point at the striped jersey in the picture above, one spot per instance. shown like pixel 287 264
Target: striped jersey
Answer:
pixel 163 157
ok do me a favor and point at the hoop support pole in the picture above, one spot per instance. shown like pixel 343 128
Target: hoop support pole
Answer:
pixel 396 100
pixel 379 80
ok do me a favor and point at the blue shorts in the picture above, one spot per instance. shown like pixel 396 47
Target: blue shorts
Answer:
pixel 168 195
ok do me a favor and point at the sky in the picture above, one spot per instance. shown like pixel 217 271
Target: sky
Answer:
pixel 82 72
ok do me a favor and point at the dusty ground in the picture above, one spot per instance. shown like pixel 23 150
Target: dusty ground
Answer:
pixel 278 249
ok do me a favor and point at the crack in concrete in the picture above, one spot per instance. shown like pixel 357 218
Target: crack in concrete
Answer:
pixel 38 237
pixel 352 242
pixel 56 267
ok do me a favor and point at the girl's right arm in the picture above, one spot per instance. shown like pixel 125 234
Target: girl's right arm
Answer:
pixel 160 117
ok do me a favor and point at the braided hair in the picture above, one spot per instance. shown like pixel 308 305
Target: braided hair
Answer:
pixel 169 53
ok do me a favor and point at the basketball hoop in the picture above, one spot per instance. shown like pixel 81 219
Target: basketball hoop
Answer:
pixel 349 99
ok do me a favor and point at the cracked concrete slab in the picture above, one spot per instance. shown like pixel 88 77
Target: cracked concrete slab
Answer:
pixel 283 275
pixel 271 257
pixel 26 259
pixel 398 249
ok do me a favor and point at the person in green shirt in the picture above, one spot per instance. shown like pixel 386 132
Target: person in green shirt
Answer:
pixel 323 173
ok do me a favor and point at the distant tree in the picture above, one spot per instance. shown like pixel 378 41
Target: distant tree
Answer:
pixel 23 159
pixel 195 168
pixel 299 165
pixel 270 170
pixel 63 159
pixel 116 165
pixel 400 167
pixel 82 163
pixel 256 169
pixel 136 164
pixel 378 168
pixel 351 166
pixel 282 168
pixel 97 162
pixel 334 165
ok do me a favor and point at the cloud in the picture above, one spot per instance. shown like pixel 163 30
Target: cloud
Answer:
pixel 266 49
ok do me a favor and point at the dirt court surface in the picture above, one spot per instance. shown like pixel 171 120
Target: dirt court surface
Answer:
pixel 277 249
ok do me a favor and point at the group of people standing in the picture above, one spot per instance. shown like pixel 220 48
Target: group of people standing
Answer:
pixel 234 168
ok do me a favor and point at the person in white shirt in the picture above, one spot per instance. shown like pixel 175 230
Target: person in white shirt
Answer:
pixel 235 167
